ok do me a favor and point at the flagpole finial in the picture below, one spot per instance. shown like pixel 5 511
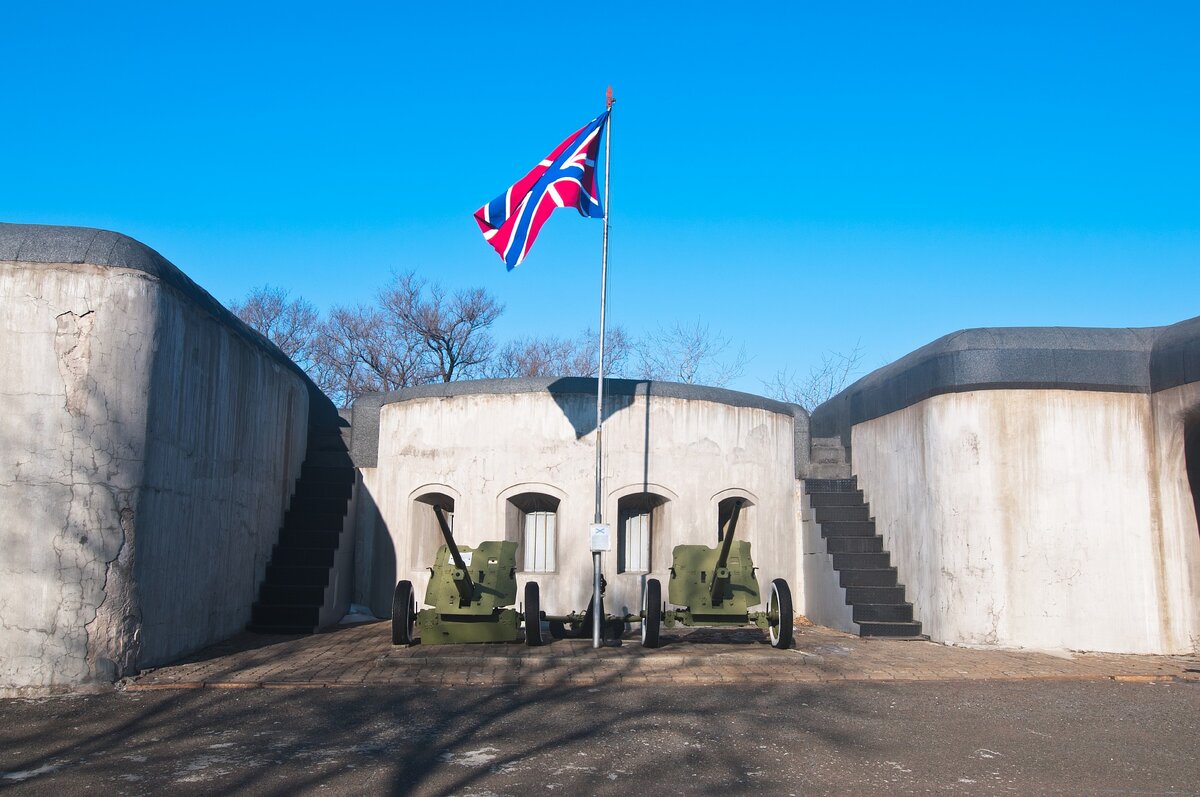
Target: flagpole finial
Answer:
pixel 609 98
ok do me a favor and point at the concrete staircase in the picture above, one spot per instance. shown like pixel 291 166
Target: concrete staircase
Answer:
pixel 294 590
pixel 873 591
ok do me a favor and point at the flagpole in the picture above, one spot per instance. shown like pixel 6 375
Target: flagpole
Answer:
pixel 597 619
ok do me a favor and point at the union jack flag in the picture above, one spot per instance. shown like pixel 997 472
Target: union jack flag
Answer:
pixel 566 178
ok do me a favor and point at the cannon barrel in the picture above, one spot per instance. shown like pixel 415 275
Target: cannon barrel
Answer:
pixel 721 571
pixel 466 587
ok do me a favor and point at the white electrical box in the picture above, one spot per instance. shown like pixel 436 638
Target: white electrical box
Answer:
pixel 601 538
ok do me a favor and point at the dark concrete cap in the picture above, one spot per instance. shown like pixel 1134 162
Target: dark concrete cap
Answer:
pixel 1175 359
pixel 42 243
pixel 1048 358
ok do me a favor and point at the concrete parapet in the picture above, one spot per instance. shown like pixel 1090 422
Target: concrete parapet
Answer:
pixel 148 445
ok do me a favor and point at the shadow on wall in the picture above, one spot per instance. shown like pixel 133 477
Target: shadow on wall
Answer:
pixel 375 556
pixel 1191 449
pixel 618 395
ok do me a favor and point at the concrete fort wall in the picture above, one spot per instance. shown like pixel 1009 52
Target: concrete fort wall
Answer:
pixel 1032 485
pixel 486 443
pixel 148 444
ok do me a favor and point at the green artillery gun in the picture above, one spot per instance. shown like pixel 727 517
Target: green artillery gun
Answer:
pixel 471 592
pixel 716 587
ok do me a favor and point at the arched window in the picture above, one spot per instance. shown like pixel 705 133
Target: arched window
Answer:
pixel 531 520
pixel 640 519
pixel 426 534
pixel 725 513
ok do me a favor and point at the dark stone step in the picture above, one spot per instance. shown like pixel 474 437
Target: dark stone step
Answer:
pixel 297 575
pixel 826 514
pixel 310 539
pixel 302 557
pixel 294 596
pixel 836 499
pixel 883 612
pixel 862 561
pixel 857 595
pixel 328 459
pixel 831 485
pixel 312 521
pixel 309 488
pixel 889 629
pixel 255 628
pixel 330 475
pixel 277 615
pixel 848 528
pixel 836 545
pixel 308 504
pixel 883 577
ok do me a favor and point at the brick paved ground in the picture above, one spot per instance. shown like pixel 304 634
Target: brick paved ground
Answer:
pixel 363 655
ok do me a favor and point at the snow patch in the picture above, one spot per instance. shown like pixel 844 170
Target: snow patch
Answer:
pixel 26 774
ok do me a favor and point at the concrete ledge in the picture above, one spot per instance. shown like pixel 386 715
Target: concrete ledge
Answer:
pixel 1053 358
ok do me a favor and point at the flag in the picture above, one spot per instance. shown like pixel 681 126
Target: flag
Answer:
pixel 566 178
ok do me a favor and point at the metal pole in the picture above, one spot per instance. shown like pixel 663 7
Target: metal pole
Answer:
pixel 597 619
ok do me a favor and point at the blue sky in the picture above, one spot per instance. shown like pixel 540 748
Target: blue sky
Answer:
pixel 800 176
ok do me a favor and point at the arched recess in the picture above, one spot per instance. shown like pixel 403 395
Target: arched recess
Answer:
pixel 723 505
pixel 425 533
pixel 531 512
pixel 643 527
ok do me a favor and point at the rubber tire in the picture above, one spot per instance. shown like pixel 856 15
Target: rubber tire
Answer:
pixel 404 613
pixel 651 613
pixel 533 615
pixel 781 598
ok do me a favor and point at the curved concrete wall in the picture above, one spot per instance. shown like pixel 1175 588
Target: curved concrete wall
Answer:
pixel 480 442
pixel 148 446
pixel 1032 484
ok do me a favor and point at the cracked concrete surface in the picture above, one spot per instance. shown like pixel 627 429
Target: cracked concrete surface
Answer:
pixel 142 473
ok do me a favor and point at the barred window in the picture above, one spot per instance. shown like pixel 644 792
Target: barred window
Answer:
pixel 539 542
pixel 640 521
pixel 532 522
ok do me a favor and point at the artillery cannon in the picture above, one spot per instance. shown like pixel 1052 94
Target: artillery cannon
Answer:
pixel 471 592
pixel 716 587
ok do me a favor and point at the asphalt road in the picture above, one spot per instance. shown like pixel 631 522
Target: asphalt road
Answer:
pixel 969 738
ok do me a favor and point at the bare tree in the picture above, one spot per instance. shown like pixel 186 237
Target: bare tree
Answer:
pixel 453 328
pixel 690 353
pixel 553 356
pixel 290 325
pixel 824 380
pixel 362 350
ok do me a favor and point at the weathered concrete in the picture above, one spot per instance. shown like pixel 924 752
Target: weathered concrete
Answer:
pixel 148 445
pixel 1032 484
pixel 1024 517
pixel 482 443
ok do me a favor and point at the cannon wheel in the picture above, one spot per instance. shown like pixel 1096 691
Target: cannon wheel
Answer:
pixel 781 607
pixel 651 613
pixel 558 629
pixel 533 615
pixel 404 614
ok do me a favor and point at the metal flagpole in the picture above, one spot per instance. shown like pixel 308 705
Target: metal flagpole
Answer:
pixel 597 618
